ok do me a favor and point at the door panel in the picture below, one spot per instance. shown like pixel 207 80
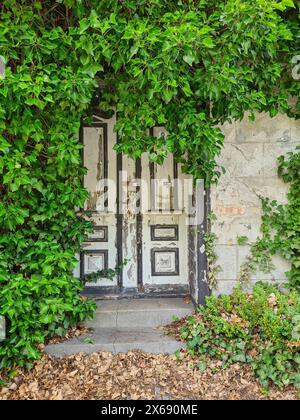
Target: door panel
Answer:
pixel 129 225
pixel 95 159
pixel 165 234
pixel 100 251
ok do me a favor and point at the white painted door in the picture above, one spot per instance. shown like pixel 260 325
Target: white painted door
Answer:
pixel 164 226
pixel 100 251
pixel 140 215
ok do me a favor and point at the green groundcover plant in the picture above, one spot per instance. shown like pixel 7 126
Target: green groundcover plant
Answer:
pixel 261 328
pixel 189 65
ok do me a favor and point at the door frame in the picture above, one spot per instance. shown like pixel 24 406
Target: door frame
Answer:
pixel 198 266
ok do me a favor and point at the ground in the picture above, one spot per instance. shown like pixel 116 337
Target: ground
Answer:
pixel 134 376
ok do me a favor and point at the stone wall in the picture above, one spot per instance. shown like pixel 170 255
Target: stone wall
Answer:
pixel 249 157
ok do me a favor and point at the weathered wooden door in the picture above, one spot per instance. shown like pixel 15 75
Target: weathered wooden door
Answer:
pixel 139 210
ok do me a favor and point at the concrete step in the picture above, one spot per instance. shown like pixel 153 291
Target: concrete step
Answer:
pixel 125 325
pixel 149 340
pixel 139 313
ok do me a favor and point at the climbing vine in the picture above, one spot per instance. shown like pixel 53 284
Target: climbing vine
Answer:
pixel 280 226
pixel 108 273
pixel 188 65
pixel 213 268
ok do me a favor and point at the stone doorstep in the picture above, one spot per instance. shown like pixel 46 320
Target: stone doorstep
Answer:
pixel 124 325
pixel 132 305
pixel 149 340
pixel 142 313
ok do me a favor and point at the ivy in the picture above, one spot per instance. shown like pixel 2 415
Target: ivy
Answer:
pixel 187 65
pixel 280 226
pixel 43 96
pixel 213 268
pixel 108 273
pixel 260 329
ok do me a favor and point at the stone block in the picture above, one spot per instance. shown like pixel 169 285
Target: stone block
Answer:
pixel 279 128
pixel 278 274
pixel 229 130
pixel 248 131
pixel 264 129
pixel 236 192
pixel 242 160
pixel 243 252
pixel 271 153
pixel 229 228
pixel 295 130
pixel 245 193
pixel 224 288
pixel 282 266
pixel 227 259
pixel 273 188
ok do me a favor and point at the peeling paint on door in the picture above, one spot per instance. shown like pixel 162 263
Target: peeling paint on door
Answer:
pixel 156 241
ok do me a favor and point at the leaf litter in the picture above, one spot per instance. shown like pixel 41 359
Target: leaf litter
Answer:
pixel 134 376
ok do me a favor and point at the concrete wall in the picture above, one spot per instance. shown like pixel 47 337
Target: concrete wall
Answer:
pixel 249 156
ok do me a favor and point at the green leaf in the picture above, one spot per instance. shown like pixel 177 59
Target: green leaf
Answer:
pixel 88 340
pixel 189 59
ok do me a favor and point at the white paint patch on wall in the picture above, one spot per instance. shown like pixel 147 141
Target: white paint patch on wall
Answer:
pixel 250 159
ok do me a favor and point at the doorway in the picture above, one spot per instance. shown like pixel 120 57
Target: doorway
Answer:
pixel 144 218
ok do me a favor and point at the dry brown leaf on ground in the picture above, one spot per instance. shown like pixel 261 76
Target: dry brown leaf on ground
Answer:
pixel 133 376
pixel 72 332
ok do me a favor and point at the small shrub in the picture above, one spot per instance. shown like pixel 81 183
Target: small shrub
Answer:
pixel 259 328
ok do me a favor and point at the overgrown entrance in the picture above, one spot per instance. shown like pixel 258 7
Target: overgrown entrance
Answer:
pixel 144 217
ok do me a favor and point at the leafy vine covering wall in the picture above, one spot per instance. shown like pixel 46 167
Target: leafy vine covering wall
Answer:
pixel 188 65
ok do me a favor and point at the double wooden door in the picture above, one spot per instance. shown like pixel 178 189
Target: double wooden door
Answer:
pixel 141 220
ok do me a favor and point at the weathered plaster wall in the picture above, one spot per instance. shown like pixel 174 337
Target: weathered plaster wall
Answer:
pixel 249 156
